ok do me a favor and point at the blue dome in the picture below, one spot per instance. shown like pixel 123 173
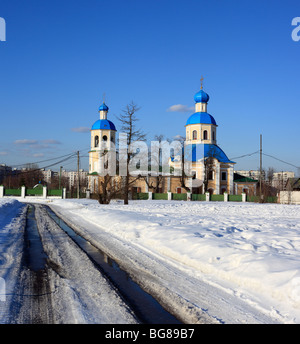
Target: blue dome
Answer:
pixel 103 124
pixel 201 97
pixel 201 117
pixel 103 107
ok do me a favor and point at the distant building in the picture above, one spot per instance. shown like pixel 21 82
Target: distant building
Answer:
pixel 73 177
pixel 4 171
pixel 253 174
pixel 293 184
pixel 48 175
pixel 280 179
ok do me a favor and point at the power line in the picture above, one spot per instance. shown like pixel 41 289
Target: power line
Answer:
pixel 269 155
pixel 38 162
pixel 288 163
pixel 242 156
pixel 40 168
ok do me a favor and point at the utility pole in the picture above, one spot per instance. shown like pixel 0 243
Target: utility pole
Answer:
pixel 260 169
pixel 60 177
pixel 78 174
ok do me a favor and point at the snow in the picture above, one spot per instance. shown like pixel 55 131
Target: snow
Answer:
pixel 228 262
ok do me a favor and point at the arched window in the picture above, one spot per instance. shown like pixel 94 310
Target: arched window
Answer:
pixel 104 138
pixel 96 141
pixel 205 135
pixel 213 136
pixel 210 175
pixel 194 134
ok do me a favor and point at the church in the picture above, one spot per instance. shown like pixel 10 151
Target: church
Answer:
pixel 210 170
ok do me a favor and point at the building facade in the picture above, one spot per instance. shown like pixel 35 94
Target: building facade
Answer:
pixel 209 168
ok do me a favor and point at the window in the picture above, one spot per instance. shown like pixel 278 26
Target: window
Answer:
pixel 96 141
pixel 210 175
pixel 195 135
pixel 224 176
pixel 194 174
pixel 104 138
pixel 213 134
pixel 205 135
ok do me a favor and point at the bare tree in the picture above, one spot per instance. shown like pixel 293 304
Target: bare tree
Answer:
pixel 128 119
pixel 29 176
pixel 186 153
pixel 155 179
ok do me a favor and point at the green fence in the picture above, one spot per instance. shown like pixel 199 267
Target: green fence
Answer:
pixel 54 193
pixel 161 196
pixel 141 196
pixel 38 191
pixel 12 192
pixel 235 198
pixel 217 198
pixel 198 197
pixel 34 192
pixel 179 197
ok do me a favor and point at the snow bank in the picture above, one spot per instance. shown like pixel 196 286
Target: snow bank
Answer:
pixel 12 224
pixel 251 251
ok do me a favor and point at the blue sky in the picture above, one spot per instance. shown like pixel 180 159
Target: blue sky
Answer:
pixel 60 57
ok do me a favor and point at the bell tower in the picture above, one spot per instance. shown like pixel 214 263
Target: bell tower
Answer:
pixel 103 139
pixel 201 127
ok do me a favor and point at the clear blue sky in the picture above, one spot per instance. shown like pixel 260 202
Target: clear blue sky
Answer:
pixel 61 56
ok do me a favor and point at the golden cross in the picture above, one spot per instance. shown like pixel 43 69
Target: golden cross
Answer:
pixel 201 82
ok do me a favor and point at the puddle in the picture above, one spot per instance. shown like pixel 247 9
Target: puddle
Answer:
pixel 147 309
pixel 35 256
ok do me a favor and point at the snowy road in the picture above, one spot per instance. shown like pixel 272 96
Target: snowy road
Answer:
pixel 69 289
pixel 62 281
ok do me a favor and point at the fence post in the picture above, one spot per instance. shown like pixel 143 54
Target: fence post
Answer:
pixel 244 197
pixel 169 196
pixel 64 193
pixel 207 196
pixel 1 191
pixel 23 191
pixel 225 197
pixel 44 191
pixel 149 195
pixel 188 196
pixel 88 194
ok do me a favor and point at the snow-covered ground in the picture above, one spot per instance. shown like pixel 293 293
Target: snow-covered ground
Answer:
pixel 232 262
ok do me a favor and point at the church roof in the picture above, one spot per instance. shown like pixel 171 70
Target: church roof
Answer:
pixel 201 117
pixel 103 124
pixel 200 150
pixel 238 178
